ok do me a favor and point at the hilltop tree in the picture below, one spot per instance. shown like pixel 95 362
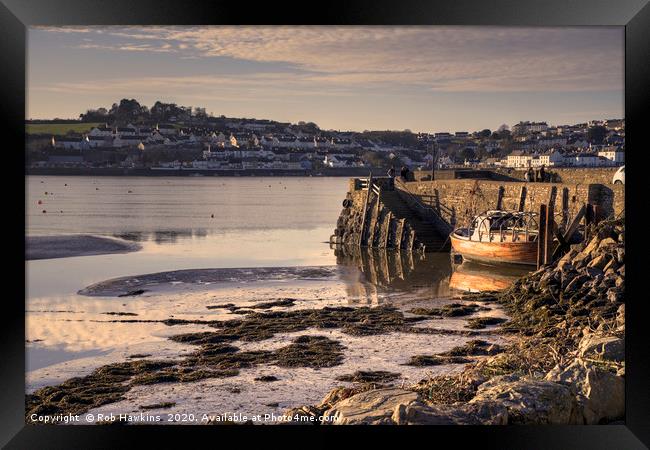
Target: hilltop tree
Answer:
pixel 128 111
pixel 467 153
pixel 94 115
pixel 596 134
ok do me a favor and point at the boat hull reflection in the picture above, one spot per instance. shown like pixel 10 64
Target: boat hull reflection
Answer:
pixel 475 277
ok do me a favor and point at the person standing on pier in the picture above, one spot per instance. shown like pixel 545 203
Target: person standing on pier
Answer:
pixel 529 175
pixel 391 176
pixel 404 173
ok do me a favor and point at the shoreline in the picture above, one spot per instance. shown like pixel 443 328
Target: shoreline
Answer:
pixel 149 172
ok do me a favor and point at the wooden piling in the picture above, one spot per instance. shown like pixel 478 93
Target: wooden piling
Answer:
pixel 387 220
pixel 522 199
pixel 365 211
pixel 552 196
pixel 541 236
pixel 548 235
pixel 565 207
pixel 399 233
pixel 589 214
pixel 500 198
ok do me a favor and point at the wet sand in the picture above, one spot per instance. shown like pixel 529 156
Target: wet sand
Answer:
pixel 49 247
pixel 281 302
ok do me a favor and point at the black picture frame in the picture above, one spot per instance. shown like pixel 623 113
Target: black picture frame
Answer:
pixel 634 15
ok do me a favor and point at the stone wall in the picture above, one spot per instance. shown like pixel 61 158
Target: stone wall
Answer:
pixel 457 201
pixel 568 175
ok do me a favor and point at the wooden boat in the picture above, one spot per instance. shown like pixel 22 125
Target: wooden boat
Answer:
pixel 498 237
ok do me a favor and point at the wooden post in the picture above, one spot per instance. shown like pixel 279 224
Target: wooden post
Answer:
pixel 500 198
pixel 541 235
pixel 565 206
pixel 589 214
pixel 552 196
pixel 400 233
pixel 522 199
pixel 365 211
pixel 548 235
pixel 387 219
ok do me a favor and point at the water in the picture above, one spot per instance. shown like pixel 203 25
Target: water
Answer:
pixel 217 223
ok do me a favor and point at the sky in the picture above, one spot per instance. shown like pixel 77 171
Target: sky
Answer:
pixel 425 79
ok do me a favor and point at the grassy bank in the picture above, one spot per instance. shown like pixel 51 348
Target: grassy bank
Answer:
pixel 59 129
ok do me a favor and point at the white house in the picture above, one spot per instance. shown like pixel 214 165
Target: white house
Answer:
pixel 128 130
pixel 218 139
pixel 586 160
pixel 103 131
pixel 548 159
pixel 239 139
pixel 529 127
pixel 72 143
pixel 156 138
pixel 128 140
pixel 613 154
pixel 166 129
pixel 306 142
pixel 99 141
pixel 286 141
pixel 518 159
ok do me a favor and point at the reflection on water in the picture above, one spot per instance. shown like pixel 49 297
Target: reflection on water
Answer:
pixel 473 277
pixel 161 236
pixel 382 271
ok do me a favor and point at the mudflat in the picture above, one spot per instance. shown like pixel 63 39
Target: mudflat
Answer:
pixel 49 247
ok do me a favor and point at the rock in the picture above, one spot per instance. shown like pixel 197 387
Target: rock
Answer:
pixel 484 413
pixel 612 265
pixel 599 262
pixel 620 255
pixel 614 295
pixel 607 242
pixel 565 263
pixel 374 407
pixel 610 348
pixel 581 259
pixel 578 247
pixel 336 395
pixel 620 317
pixel 530 401
pixel 593 245
pixel 576 283
pixel 599 394
pixel 303 415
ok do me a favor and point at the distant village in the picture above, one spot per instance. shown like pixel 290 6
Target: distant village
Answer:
pixel 168 137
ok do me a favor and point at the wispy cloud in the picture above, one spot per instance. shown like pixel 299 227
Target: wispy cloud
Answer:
pixel 445 59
